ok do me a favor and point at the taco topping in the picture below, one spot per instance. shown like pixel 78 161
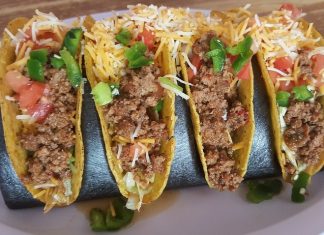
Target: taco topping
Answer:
pixel 221 113
pixel 294 59
pixel 47 100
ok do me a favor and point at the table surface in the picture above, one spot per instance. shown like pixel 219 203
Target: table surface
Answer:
pixel 71 8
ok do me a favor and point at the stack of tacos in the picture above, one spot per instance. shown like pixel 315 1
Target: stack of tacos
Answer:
pixel 216 64
pixel 292 63
pixel 130 66
pixel 41 98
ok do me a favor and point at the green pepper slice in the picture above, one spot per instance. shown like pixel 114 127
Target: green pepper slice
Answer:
pixel 121 217
pixel 263 190
pixel 217 54
pixel 73 70
pixel 72 40
pixel 301 93
pixel 282 98
pixel 35 70
pixel 299 184
pixel 57 62
pixel 241 60
pixel 40 55
pixel 102 93
pixel 124 36
pixel 241 47
pixel 159 106
pixel 97 220
pixel 136 56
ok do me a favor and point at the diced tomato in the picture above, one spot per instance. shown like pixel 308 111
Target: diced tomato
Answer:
pixel 30 94
pixel 283 63
pixel 286 87
pixel 16 80
pixel 283 84
pixel 318 63
pixel 244 74
pixel 147 37
pixel 196 61
pixel 291 7
pixel 40 111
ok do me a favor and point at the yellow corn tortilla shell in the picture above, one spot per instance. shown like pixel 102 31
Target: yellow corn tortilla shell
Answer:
pixel 13 127
pixel 312 170
pixel 168 114
pixel 243 136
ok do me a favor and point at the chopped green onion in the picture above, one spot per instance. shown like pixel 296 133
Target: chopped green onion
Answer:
pixel 241 60
pixel 136 56
pixel 40 55
pixel 57 62
pixel 139 62
pixel 300 184
pixel 35 70
pixel 118 216
pixel 263 190
pixel 158 107
pixel 167 81
pixel 242 47
pixel 71 162
pixel 168 84
pixel 301 93
pixel 217 54
pixel 73 70
pixel 72 40
pixel 97 220
pixel 282 98
pixel 124 36
pixel 102 94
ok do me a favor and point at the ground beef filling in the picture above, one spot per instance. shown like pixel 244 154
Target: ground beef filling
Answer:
pixel 221 113
pixel 52 141
pixel 304 133
pixel 140 92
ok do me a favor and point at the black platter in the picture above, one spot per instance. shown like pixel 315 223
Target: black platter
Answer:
pixel 186 169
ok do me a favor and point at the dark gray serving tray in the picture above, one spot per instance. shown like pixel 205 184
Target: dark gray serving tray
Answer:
pixel 186 169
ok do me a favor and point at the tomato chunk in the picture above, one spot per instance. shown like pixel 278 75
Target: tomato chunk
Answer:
pixel 283 63
pixel 40 111
pixel 284 85
pixel 16 80
pixel 244 74
pixel 30 94
pixel 147 37
pixel 295 12
pixel 196 61
pixel 318 63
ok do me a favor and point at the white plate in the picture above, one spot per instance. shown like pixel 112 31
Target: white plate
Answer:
pixel 196 210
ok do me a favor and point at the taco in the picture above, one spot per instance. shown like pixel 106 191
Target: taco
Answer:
pixel 291 58
pixel 41 98
pixel 132 73
pixel 217 66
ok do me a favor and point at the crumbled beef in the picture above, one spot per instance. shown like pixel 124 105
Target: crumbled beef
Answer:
pixel 215 133
pixel 140 91
pixel 223 174
pixel 42 168
pixel 306 72
pixel 142 83
pixel 304 111
pixel 304 133
pixel 52 140
pixel 220 114
pixel 237 116
pixel 201 46
pixel 296 137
